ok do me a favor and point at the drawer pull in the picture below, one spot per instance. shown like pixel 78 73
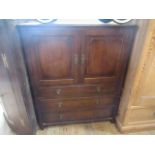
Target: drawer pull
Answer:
pixel 60 104
pixel 58 91
pixel 60 116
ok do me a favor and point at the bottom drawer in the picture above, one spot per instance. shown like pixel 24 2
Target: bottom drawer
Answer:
pixel 76 116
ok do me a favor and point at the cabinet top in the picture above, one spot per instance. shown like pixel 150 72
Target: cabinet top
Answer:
pixel 70 23
pixel 73 25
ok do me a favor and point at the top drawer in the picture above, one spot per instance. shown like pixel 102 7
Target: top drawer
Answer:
pixel 74 91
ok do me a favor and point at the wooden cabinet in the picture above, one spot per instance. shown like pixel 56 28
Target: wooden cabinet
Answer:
pixel 76 72
pixel 137 108
pixel 14 88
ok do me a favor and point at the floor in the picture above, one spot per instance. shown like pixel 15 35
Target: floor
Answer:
pixel 99 128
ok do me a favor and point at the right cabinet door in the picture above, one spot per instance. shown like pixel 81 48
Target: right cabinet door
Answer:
pixel 105 53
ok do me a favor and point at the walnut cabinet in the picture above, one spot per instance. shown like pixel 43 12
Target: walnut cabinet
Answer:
pixel 76 73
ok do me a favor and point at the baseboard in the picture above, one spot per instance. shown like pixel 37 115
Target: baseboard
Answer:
pixel 134 128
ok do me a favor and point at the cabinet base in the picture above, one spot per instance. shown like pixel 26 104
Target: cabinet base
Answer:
pixel 134 127
pixel 44 125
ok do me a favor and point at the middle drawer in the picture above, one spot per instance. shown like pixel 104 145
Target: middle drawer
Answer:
pixel 60 105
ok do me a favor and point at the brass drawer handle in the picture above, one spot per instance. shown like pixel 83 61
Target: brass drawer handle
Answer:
pixel 60 116
pixel 58 91
pixel 60 104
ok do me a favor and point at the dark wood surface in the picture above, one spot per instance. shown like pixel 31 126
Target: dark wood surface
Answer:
pixel 75 91
pixel 14 86
pixel 76 72
pixel 76 116
pixel 69 104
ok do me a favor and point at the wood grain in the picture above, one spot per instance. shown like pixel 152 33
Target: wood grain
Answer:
pixel 137 104
pixel 17 101
pixel 70 62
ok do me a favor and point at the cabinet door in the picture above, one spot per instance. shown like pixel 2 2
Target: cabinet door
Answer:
pixel 51 55
pixel 105 54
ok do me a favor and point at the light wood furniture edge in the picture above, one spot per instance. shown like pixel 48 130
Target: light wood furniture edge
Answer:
pixel 134 127
pixel 141 52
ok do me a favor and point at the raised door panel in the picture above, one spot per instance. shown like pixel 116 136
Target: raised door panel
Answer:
pixel 105 54
pixel 142 115
pixel 101 57
pixel 55 57
pixel 52 57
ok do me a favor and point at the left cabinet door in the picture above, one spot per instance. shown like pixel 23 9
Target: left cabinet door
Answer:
pixel 51 55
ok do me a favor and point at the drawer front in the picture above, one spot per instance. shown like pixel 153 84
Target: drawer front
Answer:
pixel 76 116
pixel 142 115
pixel 60 105
pixel 74 91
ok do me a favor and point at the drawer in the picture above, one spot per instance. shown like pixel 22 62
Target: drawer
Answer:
pixel 77 116
pixel 74 91
pixel 142 115
pixel 59 105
